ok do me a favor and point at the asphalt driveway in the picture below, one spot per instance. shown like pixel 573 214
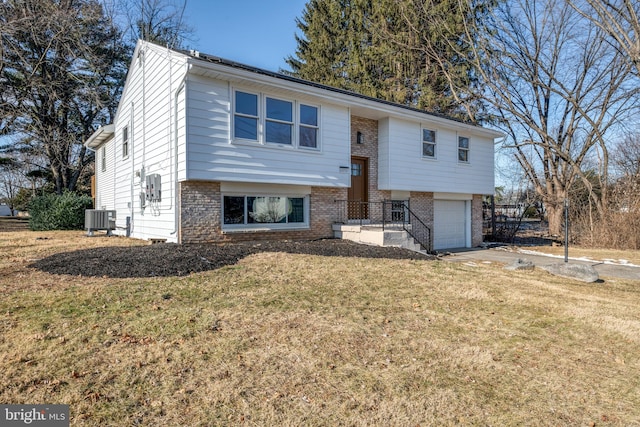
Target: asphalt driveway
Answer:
pixel 507 255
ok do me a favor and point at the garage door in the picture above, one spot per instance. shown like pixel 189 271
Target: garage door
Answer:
pixel 449 224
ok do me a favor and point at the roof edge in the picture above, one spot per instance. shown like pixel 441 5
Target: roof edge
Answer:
pixel 212 59
pixel 100 136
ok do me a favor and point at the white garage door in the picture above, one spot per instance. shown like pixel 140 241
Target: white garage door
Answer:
pixel 449 224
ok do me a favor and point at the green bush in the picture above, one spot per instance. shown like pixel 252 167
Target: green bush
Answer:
pixel 55 212
pixel 531 212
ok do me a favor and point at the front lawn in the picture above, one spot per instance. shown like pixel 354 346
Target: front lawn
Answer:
pixel 296 339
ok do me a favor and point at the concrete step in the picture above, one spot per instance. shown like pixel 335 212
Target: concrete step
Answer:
pixel 372 235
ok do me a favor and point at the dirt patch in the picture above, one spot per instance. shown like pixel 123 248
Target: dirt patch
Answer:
pixel 169 259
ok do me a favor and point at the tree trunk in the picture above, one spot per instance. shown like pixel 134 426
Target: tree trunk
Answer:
pixel 555 215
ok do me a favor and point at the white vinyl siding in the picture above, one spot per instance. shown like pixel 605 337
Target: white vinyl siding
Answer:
pixel 148 113
pixel 214 155
pixel 401 169
pixel 105 176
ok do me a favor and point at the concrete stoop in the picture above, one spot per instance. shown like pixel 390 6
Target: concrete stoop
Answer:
pixel 372 235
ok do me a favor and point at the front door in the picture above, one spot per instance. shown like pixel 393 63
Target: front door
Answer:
pixel 358 193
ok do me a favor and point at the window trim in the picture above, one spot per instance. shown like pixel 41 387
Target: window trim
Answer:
pixel 434 143
pixel 265 226
pixel 465 150
pixel 125 142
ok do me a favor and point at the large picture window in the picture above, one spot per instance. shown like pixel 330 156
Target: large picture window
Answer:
pixel 260 211
pixel 246 116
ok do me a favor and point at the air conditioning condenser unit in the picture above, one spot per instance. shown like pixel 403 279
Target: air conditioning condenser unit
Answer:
pixel 99 219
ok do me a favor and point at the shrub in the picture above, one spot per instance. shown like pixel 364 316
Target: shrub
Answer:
pixel 531 212
pixel 58 212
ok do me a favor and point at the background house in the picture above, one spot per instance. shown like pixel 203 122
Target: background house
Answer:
pixel 203 149
pixel 4 210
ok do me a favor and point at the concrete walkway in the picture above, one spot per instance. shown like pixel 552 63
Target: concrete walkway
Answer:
pixel 508 255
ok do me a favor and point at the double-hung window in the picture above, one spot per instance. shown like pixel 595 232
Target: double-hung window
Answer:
pixel 279 121
pixel 308 126
pixel 245 118
pixel 125 142
pixel 463 149
pixel 275 212
pixel 428 143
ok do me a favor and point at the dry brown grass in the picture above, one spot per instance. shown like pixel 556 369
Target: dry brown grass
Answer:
pixel 283 339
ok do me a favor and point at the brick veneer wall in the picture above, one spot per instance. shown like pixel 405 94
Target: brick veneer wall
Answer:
pixel 421 203
pixel 476 220
pixel 201 210
pixel 368 149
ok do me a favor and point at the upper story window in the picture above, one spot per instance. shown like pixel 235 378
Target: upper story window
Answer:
pixel 463 149
pixel 279 121
pixel 428 143
pixel 308 126
pixel 246 116
pixel 103 159
pixel 125 142
pixel 270 120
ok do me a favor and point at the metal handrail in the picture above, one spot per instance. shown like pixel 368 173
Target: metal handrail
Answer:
pixel 388 213
pixel 418 230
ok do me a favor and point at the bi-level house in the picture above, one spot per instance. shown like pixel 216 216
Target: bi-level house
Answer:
pixel 207 150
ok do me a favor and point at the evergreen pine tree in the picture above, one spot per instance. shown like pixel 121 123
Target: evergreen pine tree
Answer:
pixel 407 51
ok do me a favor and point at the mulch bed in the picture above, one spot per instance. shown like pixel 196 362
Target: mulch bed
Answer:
pixel 169 259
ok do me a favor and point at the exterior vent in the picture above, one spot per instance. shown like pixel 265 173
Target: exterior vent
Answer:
pixel 96 219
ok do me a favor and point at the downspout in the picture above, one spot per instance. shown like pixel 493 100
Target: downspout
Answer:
pixel 181 87
pixel 132 145
pixel 144 108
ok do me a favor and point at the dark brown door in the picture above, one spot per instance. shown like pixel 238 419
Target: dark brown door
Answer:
pixel 358 194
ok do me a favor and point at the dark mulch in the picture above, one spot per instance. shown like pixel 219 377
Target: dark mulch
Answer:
pixel 178 260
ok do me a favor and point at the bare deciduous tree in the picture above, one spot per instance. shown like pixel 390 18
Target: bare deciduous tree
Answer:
pixel 159 21
pixel 626 157
pixel 620 19
pixel 62 66
pixel 557 88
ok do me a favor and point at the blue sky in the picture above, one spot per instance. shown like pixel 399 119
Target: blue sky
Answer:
pixel 260 33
